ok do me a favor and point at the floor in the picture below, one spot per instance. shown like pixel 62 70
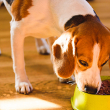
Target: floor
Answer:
pixel 48 93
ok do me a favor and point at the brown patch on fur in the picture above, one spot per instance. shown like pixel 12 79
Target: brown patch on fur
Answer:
pixel 20 8
pixel 74 21
pixel 57 51
pixel 84 53
pixel 64 62
pixel 77 20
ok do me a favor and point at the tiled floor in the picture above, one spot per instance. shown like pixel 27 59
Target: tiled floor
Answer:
pixel 48 93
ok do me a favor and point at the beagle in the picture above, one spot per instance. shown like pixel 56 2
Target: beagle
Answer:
pixel 83 46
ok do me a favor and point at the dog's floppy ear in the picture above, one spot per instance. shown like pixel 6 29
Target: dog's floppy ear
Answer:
pixel 64 55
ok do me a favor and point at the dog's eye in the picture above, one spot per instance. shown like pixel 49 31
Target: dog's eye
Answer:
pixel 83 63
pixel 104 63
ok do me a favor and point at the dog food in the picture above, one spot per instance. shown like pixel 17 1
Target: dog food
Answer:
pixel 105 88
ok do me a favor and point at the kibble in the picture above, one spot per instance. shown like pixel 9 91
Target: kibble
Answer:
pixel 105 88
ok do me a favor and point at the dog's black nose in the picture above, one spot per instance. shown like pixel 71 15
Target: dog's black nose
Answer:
pixel 90 89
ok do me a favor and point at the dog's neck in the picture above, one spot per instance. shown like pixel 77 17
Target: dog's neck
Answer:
pixel 66 9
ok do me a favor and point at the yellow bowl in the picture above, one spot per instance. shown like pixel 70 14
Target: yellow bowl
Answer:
pixel 85 101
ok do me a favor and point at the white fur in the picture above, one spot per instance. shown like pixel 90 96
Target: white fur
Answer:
pixel 40 23
pixel 91 76
pixel 22 83
pixel 63 41
pixel 65 9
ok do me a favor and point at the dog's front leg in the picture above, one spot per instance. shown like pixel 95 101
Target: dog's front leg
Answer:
pixel 22 83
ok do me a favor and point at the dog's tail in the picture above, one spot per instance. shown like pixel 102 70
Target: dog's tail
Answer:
pixel 1 2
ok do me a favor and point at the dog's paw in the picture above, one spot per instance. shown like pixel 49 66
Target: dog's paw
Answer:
pixel 63 80
pixel 43 50
pixel 23 87
pixel 72 78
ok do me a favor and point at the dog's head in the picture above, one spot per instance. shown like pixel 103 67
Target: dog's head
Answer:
pixel 82 50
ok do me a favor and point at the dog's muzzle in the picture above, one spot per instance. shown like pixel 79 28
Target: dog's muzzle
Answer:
pixel 90 89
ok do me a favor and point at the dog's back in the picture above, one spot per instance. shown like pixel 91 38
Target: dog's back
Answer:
pixel 45 18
